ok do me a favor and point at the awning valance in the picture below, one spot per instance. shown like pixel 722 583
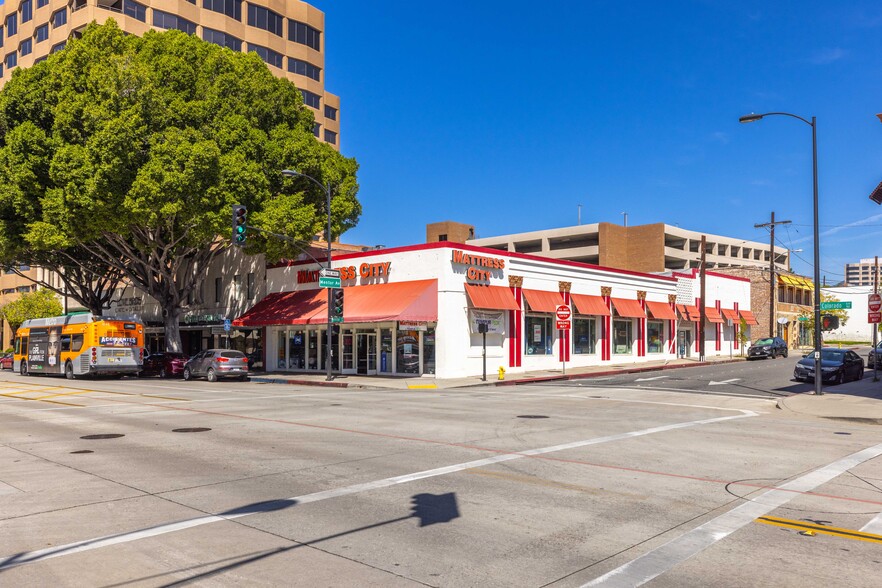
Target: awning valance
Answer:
pixel 491 297
pixel 588 304
pixel 628 308
pixel 688 312
pixel 731 314
pixel 542 301
pixel 748 317
pixel 285 308
pixel 797 281
pixel 661 310
pixel 712 314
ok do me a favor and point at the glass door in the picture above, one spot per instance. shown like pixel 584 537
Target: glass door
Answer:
pixel 366 346
pixel 347 351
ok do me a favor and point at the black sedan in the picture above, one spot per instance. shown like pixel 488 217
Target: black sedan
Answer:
pixel 874 353
pixel 837 366
pixel 769 347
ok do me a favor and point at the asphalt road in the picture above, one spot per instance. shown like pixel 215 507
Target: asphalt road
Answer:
pixel 166 483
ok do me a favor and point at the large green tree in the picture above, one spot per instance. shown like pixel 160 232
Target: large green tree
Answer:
pixel 32 305
pixel 135 148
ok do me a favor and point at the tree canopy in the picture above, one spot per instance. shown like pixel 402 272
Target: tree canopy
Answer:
pixel 31 305
pixel 135 148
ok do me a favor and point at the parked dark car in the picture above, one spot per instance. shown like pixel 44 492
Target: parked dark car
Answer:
pixel 6 361
pixel 769 347
pixel 871 358
pixel 214 364
pixel 837 366
pixel 164 365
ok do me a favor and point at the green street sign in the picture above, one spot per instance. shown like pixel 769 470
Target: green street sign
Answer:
pixel 803 318
pixel 329 282
pixel 336 319
pixel 835 305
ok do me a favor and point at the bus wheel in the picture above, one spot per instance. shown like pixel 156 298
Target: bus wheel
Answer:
pixel 23 368
pixel 68 371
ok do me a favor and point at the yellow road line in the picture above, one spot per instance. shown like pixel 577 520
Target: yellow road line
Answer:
pixel 36 390
pixel 64 394
pixel 164 397
pixel 834 531
pixel 421 386
pixel 52 401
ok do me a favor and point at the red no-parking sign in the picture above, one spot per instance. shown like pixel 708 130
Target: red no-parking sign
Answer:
pixel 874 303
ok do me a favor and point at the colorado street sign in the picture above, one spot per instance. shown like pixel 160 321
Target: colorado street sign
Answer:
pixel 835 305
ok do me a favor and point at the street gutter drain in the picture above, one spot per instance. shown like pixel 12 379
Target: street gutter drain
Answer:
pixel 532 416
pixel 103 436
pixel 191 430
pixel 83 451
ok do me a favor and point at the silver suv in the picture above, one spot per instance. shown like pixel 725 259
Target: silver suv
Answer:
pixel 217 363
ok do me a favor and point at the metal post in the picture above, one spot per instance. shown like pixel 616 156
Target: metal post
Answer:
pixel 484 353
pixel 328 376
pixel 818 389
pixel 875 325
pixel 702 313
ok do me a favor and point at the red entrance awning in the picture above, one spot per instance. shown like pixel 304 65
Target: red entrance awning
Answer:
pixel 285 308
pixel 730 314
pixel 588 304
pixel 491 297
pixel 542 301
pixel 628 308
pixel 661 310
pixel 688 312
pixel 748 317
pixel 402 301
pixel 712 314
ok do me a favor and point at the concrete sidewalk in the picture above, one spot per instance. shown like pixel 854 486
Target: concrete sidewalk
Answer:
pixel 859 401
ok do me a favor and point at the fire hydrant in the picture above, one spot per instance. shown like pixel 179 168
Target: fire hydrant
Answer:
pixel 501 373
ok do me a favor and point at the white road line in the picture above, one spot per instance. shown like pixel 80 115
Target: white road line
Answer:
pixel 712 383
pixel 650 379
pixel 658 561
pixel 99 542
pixel 874 526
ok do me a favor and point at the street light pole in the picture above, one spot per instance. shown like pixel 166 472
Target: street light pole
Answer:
pixel 290 173
pixel 817 298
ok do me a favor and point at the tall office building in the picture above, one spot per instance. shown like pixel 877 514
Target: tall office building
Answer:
pixel 862 273
pixel 287 34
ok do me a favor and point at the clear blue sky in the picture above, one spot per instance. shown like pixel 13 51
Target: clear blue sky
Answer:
pixel 509 114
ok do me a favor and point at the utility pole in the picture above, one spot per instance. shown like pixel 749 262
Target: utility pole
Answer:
pixel 875 326
pixel 702 314
pixel 773 285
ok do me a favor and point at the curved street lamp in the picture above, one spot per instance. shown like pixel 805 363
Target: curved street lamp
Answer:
pixel 290 173
pixel 817 299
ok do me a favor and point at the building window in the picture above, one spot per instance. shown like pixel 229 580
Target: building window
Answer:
pixel 11 60
pixel 655 336
pixel 250 286
pixel 11 24
pixel 42 3
pixel 538 334
pixel 269 56
pixel 330 112
pixel 311 99
pixel 218 289
pixel 266 19
pixel 135 10
pixel 59 18
pixel 304 68
pixel 304 34
pixel 58 47
pixel 622 337
pixel 237 285
pixel 584 335
pixel 1 70
pixel 165 20
pixel 222 39
pixel 231 8
pixel 442 237
pixel 27 10
pixel 330 137
pixel 1 36
pixel 316 128
pixel 26 47
pixel 42 33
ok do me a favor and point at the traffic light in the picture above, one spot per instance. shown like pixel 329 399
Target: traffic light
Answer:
pixel 240 224
pixel 829 322
pixel 434 508
pixel 337 303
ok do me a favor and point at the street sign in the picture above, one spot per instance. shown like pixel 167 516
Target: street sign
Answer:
pixel 803 318
pixel 563 325
pixel 874 317
pixel 336 319
pixel 329 273
pixel 874 302
pixel 329 282
pixel 835 305
pixel 227 324
pixel 563 313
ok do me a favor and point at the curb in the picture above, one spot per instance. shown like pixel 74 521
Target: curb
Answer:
pixel 326 384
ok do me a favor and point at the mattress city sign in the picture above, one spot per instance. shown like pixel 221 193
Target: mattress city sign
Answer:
pixel 479 267
pixel 366 271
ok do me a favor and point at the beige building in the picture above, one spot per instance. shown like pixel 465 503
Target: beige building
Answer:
pixel 862 273
pixel 287 34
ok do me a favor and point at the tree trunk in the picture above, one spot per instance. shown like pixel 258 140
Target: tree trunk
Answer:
pixel 172 322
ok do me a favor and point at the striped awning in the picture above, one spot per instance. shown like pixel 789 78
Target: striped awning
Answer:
pixel 797 281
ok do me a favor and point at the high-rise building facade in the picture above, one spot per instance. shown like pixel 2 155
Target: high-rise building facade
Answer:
pixel 287 34
pixel 862 273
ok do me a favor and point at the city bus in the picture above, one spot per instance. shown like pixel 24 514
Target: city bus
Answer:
pixel 78 345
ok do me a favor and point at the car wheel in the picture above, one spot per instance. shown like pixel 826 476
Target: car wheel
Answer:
pixel 243 378
pixel 23 368
pixel 212 377
pixel 162 373
pixel 837 379
pixel 860 375
pixel 68 371
pixel 772 354
pixel 188 375
pixel 785 353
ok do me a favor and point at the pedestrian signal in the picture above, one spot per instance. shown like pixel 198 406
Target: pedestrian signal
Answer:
pixel 829 322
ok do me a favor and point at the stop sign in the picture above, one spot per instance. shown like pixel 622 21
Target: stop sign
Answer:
pixel 875 302
pixel 563 312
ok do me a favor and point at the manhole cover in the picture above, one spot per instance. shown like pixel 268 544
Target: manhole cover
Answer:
pixel 83 451
pixel 104 436
pixel 532 416
pixel 191 430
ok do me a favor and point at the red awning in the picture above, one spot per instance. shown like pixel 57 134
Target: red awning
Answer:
pixel 402 301
pixel 491 297
pixel 712 314
pixel 661 310
pixel 628 308
pixel 285 308
pixel 542 301
pixel 588 304
pixel 688 313
pixel 730 314
pixel 748 317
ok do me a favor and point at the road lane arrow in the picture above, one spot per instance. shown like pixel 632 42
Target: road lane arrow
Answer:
pixel 649 379
pixel 712 383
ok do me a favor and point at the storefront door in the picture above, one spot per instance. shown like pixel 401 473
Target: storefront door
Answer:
pixel 366 352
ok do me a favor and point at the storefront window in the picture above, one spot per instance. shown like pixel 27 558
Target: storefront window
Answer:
pixel 312 361
pixel 348 362
pixel 296 350
pixel 429 351
pixel 280 354
pixel 622 336
pixel 386 351
pixel 335 353
pixel 408 343
pixel 584 335
pixel 538 334
pixel 655 335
